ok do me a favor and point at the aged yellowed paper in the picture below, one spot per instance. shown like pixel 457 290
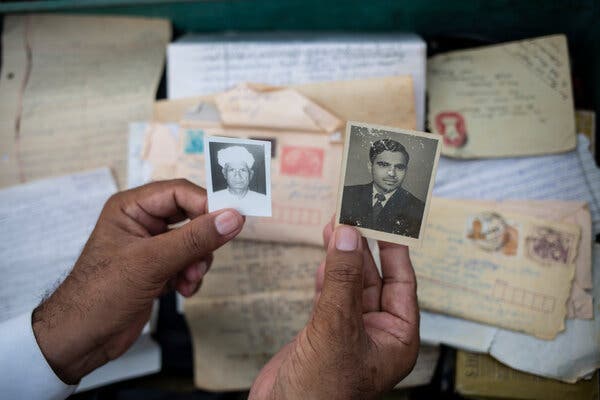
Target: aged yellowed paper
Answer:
pixel 384 101
pixel 500 268
pixel 580 304
pixel 70 86
pixel 255 299
pixel 510 99
pixel 479 375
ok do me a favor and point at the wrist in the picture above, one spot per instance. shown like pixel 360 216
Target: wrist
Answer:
pixel 58 331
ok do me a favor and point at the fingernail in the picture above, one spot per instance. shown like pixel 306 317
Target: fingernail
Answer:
pixel 226 223
pixel 346 239
pixel 201 267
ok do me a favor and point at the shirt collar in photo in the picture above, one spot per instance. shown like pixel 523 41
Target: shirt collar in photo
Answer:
pixel 386 195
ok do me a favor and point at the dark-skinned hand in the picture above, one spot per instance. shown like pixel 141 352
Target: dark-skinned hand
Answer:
pixel 130 259
pixel 363 335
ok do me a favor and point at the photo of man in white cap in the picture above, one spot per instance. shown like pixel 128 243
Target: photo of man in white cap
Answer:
pixel 237 166
pixel 236 163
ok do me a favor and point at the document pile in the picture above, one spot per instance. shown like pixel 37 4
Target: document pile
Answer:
pixel 517 258
pixel 506 262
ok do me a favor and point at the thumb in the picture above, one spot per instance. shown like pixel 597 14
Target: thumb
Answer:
pixel 173 251
pixel 341 295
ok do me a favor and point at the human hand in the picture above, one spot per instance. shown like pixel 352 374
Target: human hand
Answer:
pixel 130 259
pixel 363 335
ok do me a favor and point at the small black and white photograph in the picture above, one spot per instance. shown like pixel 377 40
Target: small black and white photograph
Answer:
pixel 238 175
pixel 387 179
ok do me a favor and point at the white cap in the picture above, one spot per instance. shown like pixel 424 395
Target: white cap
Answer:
pixel 233 154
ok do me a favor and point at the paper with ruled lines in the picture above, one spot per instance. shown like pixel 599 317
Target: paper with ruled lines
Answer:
pixel 69 87
pixel 43 227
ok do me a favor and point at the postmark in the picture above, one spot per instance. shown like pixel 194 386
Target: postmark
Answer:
pixel 302 161
pixel 491 232
pixel 451 125
pixel 550 246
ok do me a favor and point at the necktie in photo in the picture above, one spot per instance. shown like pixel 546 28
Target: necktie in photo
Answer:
pixel 378 206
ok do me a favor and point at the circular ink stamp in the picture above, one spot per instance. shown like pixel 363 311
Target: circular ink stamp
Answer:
pixel 488 231
pixel 451 125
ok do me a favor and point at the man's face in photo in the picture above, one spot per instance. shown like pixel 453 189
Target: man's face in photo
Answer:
pixel 388 169
pixel 238 175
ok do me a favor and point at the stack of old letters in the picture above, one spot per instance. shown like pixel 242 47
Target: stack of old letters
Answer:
pixel 506 259
pixel 506 264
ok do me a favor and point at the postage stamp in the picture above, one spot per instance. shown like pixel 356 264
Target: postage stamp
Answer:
pixel 302 161
pixel 489 231
pixel 549 246
pixel 451 125
pixel 194 141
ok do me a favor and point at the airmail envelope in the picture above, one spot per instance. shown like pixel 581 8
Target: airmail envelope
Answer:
pixel 305 141
pixel 510 99
pixel 499 268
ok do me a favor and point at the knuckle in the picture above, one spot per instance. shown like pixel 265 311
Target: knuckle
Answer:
pixel 332 316
pixel 196 241
pixel 114 201
pixel 182 182
pixel 342 272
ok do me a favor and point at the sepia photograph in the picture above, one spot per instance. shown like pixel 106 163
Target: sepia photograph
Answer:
pixel 238 175
pixel 387 179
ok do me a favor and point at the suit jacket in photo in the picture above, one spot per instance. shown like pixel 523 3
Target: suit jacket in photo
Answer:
pixel 401 214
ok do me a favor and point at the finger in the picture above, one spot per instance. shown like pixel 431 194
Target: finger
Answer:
pixel 173 251
pixel 263 385
pixel 340 300
pixel 320 276
pixel 187 289
pixel 328 231
pixel 372 282
pixel 169 286
pixel 196 271
pixel 160 203
pixel 399 291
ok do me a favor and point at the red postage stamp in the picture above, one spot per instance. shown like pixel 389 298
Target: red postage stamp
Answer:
pixel 451 125
pixel 302 161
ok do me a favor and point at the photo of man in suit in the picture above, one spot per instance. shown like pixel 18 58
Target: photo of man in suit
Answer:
pixel 383 204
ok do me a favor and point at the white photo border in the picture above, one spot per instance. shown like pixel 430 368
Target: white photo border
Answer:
pixel 239 141
pixel 372 233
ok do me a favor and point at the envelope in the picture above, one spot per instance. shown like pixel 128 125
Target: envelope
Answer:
pixel 482 377
pixel 305 137
pixel 580 303
pixel 496 267
pixel 383 101
pixel 510 99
